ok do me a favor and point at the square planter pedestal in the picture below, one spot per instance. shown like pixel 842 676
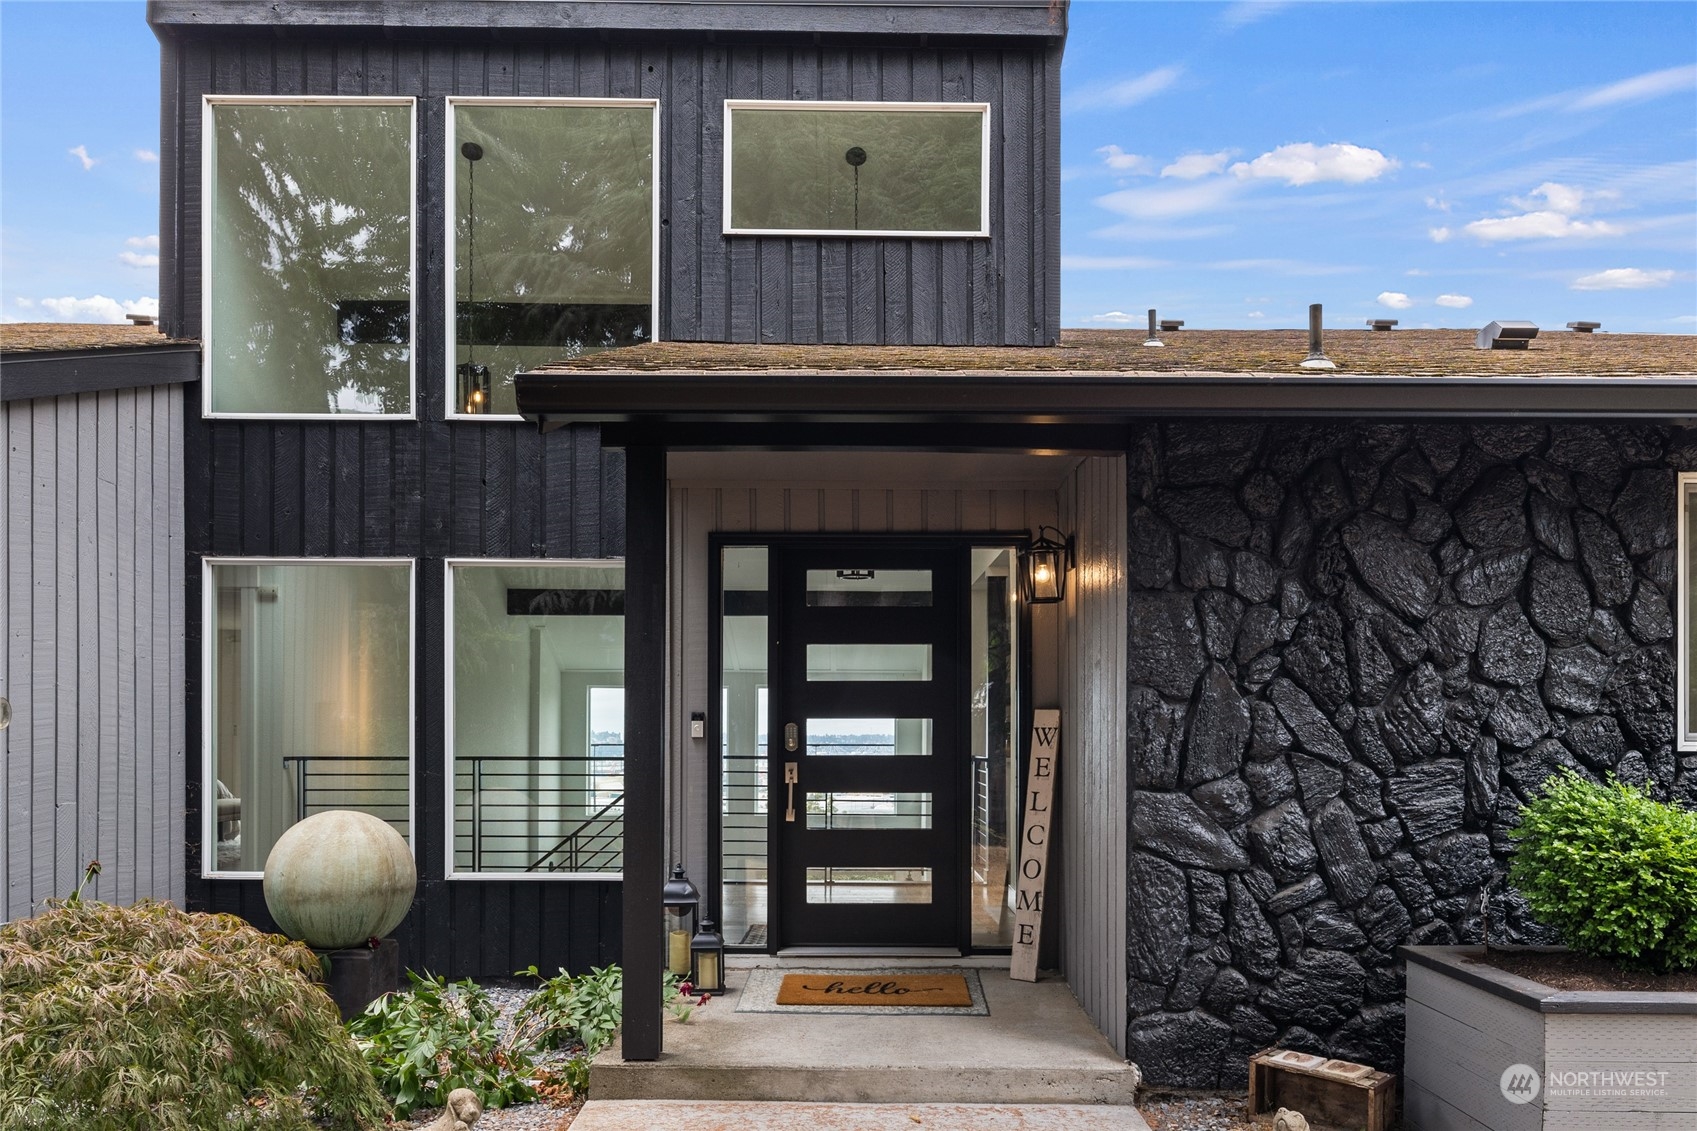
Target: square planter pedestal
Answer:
pixel 1605 1060
pixel 360 975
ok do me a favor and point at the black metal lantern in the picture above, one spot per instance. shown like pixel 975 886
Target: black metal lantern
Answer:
pixel 707 959
pixel 1043 568
pixel 682 902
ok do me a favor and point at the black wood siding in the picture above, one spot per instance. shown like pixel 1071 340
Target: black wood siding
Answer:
pixel 1000 290
pixel 427 491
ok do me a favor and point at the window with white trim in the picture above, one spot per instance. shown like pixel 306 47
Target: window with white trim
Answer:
pixel 1687 691
pixel 857 168
pixel 307 668
pixel 536 723
pixel 552 242
pixel 308 257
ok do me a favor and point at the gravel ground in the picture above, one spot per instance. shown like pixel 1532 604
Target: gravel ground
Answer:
pixel 1196 1111
pixel 509 995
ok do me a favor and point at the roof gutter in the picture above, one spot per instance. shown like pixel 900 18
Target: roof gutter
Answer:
pixel 1001 397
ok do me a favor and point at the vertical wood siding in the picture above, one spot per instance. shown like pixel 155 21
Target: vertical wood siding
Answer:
pixel 1000 290
pixel 1092 811
pixel 698 510
pixel 428 491
pixel 92 594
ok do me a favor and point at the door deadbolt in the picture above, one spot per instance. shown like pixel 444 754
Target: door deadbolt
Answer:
pixel 790 737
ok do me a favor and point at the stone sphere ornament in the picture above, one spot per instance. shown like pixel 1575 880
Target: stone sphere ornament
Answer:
pixel 339 878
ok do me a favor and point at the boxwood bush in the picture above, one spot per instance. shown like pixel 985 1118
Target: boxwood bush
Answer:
pixel 1612 869
pixel 149 1016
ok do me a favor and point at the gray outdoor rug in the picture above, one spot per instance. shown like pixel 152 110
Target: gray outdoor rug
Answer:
pixel 759 992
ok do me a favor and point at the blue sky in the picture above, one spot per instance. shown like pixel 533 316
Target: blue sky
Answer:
pixel 1444 164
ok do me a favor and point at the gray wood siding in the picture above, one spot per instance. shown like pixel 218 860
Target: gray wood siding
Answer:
pixel 1000 290
pixel 92 593
pixel 1092 812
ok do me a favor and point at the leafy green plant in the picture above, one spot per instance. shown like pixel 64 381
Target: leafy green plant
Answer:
pixel 149 1016
pixel 568 1010
pixel 1612 869
pixel 425 1042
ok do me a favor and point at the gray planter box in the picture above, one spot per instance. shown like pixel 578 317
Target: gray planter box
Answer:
pixel 1605 1061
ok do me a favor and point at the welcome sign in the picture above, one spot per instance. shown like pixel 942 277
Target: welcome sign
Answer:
pixel 1034 843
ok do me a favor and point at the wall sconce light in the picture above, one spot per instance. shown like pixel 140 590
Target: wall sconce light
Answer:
pixel 1044 566
pixel 682 902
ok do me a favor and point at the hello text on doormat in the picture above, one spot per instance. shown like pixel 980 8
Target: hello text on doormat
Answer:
pixel 875 989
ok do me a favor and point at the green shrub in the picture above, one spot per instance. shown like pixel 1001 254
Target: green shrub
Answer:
pixel 148 1016
pixel 565 1010
pixel 425 1042
pixel 1612 869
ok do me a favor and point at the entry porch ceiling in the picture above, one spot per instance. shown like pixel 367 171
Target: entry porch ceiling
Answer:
pixel 1108 379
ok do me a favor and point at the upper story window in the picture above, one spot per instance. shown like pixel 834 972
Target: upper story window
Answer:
pixel 857 168
pixel 1687 611
pixel 308 257
pixel 552 245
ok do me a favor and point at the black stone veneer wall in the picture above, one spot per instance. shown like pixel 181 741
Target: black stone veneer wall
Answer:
pixel 1355 649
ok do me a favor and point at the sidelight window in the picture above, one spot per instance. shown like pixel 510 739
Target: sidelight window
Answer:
pixel 308 257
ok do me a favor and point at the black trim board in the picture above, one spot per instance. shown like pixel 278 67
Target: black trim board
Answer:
pixel 61 373
pixel 1461 963
pixel 1005 397
pixel 979 19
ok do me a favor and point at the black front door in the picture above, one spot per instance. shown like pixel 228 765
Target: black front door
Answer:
pixel 868 766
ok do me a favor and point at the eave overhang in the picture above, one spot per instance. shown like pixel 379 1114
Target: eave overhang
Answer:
pixel 28 374
pixel 676 398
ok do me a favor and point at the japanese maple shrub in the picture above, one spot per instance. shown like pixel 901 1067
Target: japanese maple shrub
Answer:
pixel 1612 869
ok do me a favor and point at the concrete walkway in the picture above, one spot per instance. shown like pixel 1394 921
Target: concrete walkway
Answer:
pixel 696 1115
pixel 1034 1050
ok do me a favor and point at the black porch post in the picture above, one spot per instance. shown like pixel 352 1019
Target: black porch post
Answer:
pixel 645 744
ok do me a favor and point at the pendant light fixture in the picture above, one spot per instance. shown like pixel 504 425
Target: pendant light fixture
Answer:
pixel 474 378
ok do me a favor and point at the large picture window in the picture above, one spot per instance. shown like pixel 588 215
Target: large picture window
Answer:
pixel 857 168
pixel 308 707
pixel 1687 610
pixel 536 751
pixel 308 259
pixel 552 238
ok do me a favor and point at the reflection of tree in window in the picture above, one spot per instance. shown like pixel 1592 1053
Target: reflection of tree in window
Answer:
pixel 917 170
pixel 311 258
pixel 564 235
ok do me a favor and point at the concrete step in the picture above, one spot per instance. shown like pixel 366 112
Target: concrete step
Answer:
pixel 694 1115
pixel 1035 1047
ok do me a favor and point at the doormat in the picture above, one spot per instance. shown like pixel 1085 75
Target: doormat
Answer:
pixel 945 991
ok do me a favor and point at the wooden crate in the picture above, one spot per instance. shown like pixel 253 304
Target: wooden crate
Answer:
pixel 1330 1093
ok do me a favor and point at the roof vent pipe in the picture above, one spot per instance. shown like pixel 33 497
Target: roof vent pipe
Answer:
pixel 1153 339
pixel 1317 358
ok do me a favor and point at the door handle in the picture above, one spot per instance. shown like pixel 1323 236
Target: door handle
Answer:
pixel 790 776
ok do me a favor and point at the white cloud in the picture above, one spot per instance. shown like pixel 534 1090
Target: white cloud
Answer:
pixel 95 308
pixel 133 259
pixel 1396 300
pixel 1685 319
pixel 1301 267
pixel 1194 165
pixel 1639 88
pixel 147 157
pixel 1439 235
pixel 1540 226
pixel 1415 272
pixel 1109 262
pixel 1166 203
pixel 1119 160
pixel 1569 200
pixel 145 243
pixel 1454 302
pixel 1438 204
pixel 1126 92
pixel 1247 12
pixel 1623 279
pixel 1305 163
pixel 80 152
pixel 1255 314
pixel 1118 317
